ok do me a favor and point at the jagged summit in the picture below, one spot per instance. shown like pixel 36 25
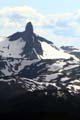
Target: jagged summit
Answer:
pixel 29 28
pixel 28 34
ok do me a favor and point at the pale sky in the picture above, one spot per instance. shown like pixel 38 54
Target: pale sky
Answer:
pixel 56 20
pixel 45 6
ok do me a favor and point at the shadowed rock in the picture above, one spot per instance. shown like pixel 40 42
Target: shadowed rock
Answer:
pixel 29 28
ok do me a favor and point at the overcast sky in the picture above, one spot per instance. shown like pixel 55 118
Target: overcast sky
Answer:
pixel 56 20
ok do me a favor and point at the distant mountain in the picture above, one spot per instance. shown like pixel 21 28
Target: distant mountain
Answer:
pixel 72 50
pixel 28 45
pixel 36 63
pixel 32 69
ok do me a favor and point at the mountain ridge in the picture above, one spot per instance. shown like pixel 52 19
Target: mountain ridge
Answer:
pixel 34 62
pixel 72 50
pixel 31 46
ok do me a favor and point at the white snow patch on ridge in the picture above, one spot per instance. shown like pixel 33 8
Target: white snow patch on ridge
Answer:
pixel 50 52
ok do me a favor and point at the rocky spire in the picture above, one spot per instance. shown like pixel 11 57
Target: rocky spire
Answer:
pixel 29 28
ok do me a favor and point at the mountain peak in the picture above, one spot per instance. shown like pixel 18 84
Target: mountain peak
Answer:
pixel 29 27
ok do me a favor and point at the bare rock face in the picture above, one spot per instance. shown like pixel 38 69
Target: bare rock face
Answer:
pixel 29 28
pixel 28 33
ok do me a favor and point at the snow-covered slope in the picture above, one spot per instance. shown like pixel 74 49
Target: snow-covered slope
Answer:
pixel 11 48
pixel 50 52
